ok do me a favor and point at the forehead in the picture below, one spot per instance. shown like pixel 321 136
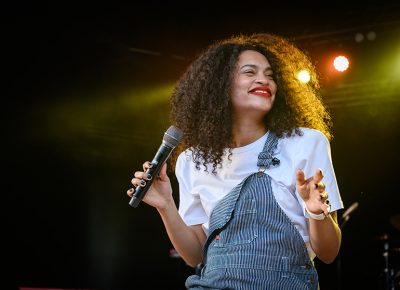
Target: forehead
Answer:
pixel 252 57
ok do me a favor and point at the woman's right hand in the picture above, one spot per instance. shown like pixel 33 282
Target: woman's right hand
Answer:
pixel 160 192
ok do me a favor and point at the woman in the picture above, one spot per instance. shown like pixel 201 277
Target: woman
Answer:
pixel 254 169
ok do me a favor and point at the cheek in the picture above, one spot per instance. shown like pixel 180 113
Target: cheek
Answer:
pixel 239 89
pixel 241 84
pixel 273 86
pixel 273 100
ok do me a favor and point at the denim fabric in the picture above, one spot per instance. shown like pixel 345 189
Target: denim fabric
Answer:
pixel 252 243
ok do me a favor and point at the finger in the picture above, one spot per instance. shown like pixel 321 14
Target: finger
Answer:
pixel 320 186
pixel 130 192
pixel 163 172
pixel 326 207
pixel 323 196
pixel 300 177
pixel 142 175
pixel 147 165
pixel 138 182
pixel 318 176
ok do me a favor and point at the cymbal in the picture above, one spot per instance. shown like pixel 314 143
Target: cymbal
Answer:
pixel 395 221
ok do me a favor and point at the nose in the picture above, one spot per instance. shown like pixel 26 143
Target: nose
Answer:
pixel 262 79
pixel 262 82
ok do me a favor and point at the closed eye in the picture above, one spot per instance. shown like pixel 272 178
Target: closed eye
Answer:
pixel 269 76
pixel 249 72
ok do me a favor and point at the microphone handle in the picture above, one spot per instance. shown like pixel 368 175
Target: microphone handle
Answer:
pixel 140 191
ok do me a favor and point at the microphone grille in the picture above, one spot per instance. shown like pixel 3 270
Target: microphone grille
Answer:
pixel 173 136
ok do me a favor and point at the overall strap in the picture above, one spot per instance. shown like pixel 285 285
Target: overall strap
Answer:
pixel 266 157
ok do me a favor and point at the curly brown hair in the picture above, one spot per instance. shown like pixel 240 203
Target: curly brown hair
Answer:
pixel 201 102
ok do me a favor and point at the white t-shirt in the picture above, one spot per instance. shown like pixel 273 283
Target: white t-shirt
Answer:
pixel 200 191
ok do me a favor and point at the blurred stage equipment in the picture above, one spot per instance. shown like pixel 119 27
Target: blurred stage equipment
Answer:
pixel 346 214
pixel 388 269
pixel 391 269
pixel 395 221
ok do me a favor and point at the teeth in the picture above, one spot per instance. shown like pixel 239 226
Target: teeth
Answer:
pixel 258 91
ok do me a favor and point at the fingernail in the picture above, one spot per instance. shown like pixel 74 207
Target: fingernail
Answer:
pixel 148 176
pixel 142 183
pixel 131 190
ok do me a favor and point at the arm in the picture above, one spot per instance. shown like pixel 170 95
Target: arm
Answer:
pixel 187 240
pixel 325 235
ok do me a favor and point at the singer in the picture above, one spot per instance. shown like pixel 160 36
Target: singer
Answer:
pixel 258 196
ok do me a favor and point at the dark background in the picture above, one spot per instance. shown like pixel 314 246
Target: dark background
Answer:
pixel 86 102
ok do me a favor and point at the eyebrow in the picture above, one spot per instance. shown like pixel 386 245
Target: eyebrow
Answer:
pixel 255 66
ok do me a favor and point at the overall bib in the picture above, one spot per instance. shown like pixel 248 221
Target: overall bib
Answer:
pixel 252 243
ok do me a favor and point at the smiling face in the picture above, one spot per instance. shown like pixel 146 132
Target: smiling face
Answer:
pixel 253 88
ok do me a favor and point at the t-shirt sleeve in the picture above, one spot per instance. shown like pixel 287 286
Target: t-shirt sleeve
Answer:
pixel 315 152
pixel 190 207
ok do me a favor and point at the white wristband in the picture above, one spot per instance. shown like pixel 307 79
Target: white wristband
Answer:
pixel 314 216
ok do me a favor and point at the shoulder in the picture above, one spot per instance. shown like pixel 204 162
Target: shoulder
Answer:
pixel 184 162
pixel 313 134
pixel 306 135
pixel 308 140
pixel 183 158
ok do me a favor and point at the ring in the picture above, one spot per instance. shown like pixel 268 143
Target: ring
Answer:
pixel 132 190
pixel 324 195
pixel 320 185
pixel 328 205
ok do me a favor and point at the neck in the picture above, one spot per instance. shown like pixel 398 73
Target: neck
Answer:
pixel 245 134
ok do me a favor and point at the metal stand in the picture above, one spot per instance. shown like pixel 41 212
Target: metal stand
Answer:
pixel 345 219
pixel 388 271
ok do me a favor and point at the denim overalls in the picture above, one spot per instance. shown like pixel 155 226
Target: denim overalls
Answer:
pixel 253 243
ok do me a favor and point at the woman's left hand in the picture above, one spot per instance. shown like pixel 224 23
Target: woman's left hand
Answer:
pixel 312 191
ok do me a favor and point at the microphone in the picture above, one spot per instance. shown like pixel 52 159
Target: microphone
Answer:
pixel 171 139
pixel 347 213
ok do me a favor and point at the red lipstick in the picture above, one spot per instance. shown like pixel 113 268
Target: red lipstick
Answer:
pixel 261 91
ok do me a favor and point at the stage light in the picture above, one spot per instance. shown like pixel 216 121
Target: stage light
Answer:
pixel 303 76
pixel 341 63
pixel 359 37
pixel 371 35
